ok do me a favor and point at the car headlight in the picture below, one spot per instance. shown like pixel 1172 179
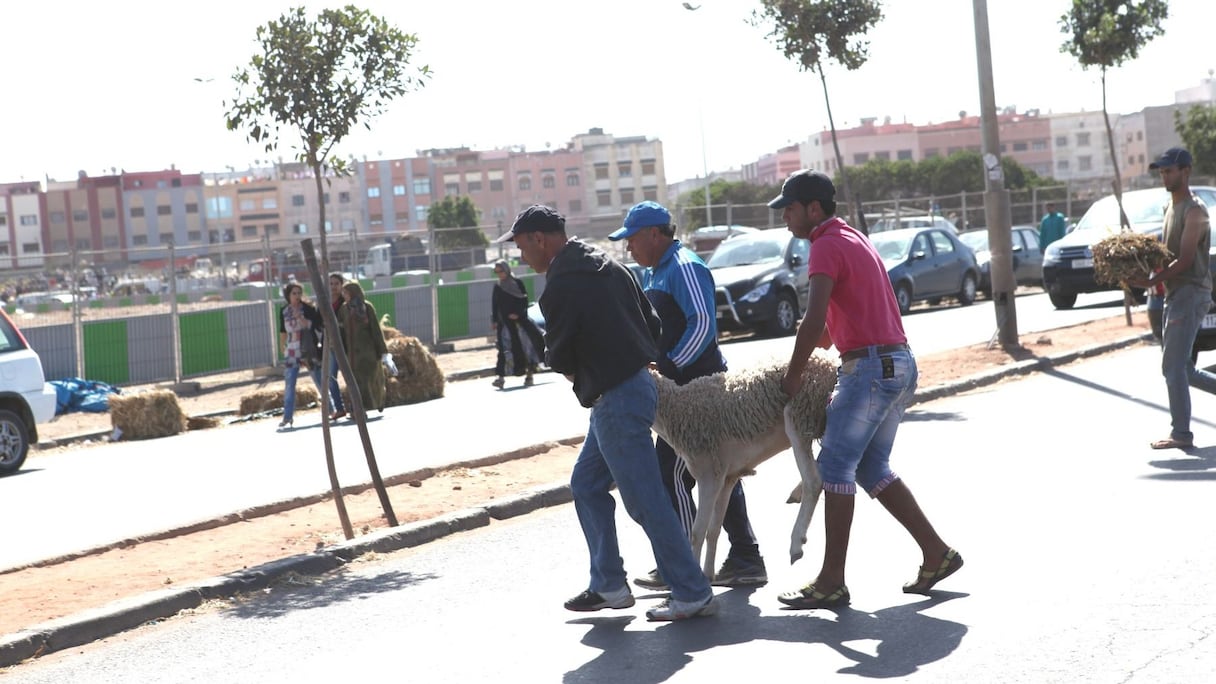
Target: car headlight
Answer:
pixel 756 294
pixel 1051 255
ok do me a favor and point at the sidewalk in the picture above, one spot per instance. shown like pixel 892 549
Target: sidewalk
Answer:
pixel 83 628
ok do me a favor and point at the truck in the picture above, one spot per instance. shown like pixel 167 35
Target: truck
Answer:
pixel 409 253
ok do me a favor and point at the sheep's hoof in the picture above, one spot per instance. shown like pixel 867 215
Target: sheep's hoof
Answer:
pixel 795 557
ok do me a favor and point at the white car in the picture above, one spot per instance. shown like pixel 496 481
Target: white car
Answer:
pixel 26 399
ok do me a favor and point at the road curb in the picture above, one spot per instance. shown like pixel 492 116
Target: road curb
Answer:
pixel 88 626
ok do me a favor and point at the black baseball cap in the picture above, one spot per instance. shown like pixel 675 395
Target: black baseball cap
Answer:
pixel 1174 156
pixel 804 186
pixel 535 219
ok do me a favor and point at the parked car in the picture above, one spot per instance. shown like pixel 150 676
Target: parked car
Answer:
pixel 1068 263
pixel 706 240
pixel 891 223
pixel 761 281
pixel 538 318
pixel 25 397
pixel 1027 257
pixel 927 264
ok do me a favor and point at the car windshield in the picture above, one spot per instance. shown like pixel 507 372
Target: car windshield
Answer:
pixel 741 251
pixel 1144 208
pixel 976 240
pixel 894 244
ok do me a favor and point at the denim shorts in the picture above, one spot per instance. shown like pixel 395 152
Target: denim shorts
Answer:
pixel 863 416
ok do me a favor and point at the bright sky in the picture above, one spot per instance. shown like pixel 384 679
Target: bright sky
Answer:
pixel 113 84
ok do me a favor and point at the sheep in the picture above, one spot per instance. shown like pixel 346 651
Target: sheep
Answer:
pixel 724 425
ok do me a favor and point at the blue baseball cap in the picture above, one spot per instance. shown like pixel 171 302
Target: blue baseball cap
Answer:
pixel 1174 156
pixel 642 215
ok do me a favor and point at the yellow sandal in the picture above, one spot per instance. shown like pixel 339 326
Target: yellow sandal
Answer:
pixel 951 562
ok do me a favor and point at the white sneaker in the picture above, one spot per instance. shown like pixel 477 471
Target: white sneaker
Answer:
pixel 671 609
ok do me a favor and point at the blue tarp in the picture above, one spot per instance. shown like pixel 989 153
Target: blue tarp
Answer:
pixel 77 394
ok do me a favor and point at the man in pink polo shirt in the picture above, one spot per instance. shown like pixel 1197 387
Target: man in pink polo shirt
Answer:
pixel 852 305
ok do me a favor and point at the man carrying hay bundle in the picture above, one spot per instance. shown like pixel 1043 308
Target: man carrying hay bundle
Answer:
pixel 1188 292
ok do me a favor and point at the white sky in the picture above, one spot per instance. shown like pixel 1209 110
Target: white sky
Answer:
pixel 112 84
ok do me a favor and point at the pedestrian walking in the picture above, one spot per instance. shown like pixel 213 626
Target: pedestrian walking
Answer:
pixel 336 280
pixel 520 344
pixel 364 343
pixel 602 333
pixel 681 289
pixel 1052 227
pixel 299 322
pixel 851 304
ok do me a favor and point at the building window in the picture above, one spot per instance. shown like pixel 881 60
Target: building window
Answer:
pixel 422 186
pixel 648 167
pixel 297 200
pixel 344 197
pixel 3 219
pixel 495 185
pixel 627 196
pixel 451 188
pixel 80 216
pixel 904 155
pixel 1142 159
pixel 191 207
pixel 166 238
pixel 58 217
pixel 1131 159
pixel 1061 141
pixel 420 212
pixel 1139 135
pixel 1038 145
pixel 348 225
pixel 29 219
pixel 1085 163
pixel 249 231
pixel 883 155
pixel 601 172
pixel 474 186
pixel 624 169
pixel 1062 165
pixel 548 181
pixel 603 198
pixel 3 249
pixel 109 241
pixel 525 182
pixel 83 244
pixel 571 179
pixel 270 203
pixel 297 229
pixel 651 194
pixel 29 248
pixel 1083 140
pixel 271 228
pixel 60 246
pixel 373 191
pixel 164 210
pixel 576 206
pixel 139 240
pixel 248 204
pixel 1021 146
pixel 861 157
pixel 194 236
pixel 951 151
pixel 325 198
pixel 399 190
pixel 376 219
pixel 137 212
pixel 931 152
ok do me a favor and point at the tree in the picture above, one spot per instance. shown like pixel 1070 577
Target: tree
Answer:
pixel 322 77
pixel 1105 34
pixel 455 212
pixel 812 31
pixel 1198 132
pixel 722 192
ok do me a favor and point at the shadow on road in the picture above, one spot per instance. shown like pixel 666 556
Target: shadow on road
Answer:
pixel 913 415
pixel 904 639
pixel 306 592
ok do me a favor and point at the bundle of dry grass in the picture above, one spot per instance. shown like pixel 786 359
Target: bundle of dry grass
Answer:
pixel 419 377
pixel 267 400
pixel 147 415
pixel 201 422
pixel 389 332
pixel 1128 255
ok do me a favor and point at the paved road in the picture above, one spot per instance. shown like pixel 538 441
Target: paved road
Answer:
pixel 1088 560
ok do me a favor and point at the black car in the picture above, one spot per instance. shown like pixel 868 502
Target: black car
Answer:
pixel 761 281
pixel 927 264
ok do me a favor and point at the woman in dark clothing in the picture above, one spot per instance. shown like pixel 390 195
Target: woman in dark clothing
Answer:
pixel 521 346
pixel 299 324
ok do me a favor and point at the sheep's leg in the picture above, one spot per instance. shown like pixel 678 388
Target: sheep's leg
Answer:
pixel 812 486
pixel 715 523
pixel 708 492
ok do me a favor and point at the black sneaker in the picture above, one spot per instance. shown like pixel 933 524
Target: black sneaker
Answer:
pixel 652 580
pixel 590 601
pixel 736 572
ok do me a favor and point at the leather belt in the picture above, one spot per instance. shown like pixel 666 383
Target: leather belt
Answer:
pixel 863 352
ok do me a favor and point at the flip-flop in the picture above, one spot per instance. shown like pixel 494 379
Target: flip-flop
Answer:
pixel 951 562
pixel 1171 443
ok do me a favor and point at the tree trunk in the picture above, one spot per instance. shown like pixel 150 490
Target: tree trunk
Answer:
pixel 858 223
pixel 1124 223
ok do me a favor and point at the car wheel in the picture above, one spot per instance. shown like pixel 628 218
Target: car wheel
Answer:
pixel 966 296
pixel 786 320
pixel 903 297
pixel 1062 300
pixel 14 442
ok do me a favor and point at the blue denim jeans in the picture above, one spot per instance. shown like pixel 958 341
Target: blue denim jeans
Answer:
pixel 290 374
pixel 1184 310
pixel 618 449
pixel 335 392
pixel 863 416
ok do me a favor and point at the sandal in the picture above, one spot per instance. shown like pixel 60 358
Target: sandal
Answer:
pixel 951 562
pixel 1172 443
pixel 809 597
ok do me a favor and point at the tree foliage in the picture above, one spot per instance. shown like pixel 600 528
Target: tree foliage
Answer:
pixel 1198 132
pixel 811 32
pixel 1105 34
pixel 456 212
pixel 935 177
pixel 319 78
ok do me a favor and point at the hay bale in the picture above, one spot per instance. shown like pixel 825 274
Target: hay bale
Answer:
pixel 264 400
pixel 389 332
pixel 419 377
pixel 1128 255
pixel 147 415
pixel 201 422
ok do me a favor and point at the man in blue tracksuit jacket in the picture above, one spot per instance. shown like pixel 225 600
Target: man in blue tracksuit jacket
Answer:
pixel 681 289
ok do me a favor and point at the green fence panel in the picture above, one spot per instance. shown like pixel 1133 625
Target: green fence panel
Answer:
pixel 105 352
pixel 152 299
pixel 240 294
pixel 453 311
pixel 183 299
pixel 464 276
pixel 398 281
pixel 204 339
pixel 125 301
pixel 97 303
pixel 385 303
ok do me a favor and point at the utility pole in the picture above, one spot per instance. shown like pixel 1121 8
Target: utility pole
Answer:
pixel 996 197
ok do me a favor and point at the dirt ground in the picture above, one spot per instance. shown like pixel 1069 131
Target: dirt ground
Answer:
pixel 34 595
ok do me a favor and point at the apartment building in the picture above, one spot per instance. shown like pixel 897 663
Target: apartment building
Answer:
pixel 620 172
pixel 396 194
pixel 774 167
pixel 21 225
pixel 86 216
